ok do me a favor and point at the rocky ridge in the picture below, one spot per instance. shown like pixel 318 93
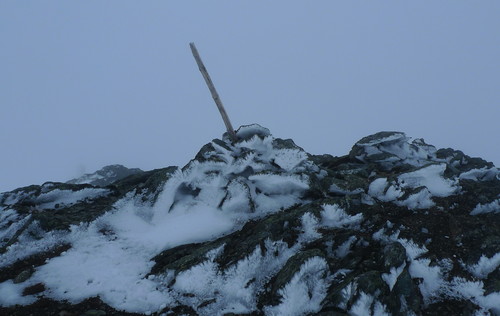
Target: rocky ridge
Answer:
pixel 259 226
pixel 105 176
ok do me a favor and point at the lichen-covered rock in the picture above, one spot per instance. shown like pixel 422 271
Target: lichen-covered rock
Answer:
pixel 258 226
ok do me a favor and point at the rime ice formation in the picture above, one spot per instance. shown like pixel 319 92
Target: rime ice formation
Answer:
pixel 397 227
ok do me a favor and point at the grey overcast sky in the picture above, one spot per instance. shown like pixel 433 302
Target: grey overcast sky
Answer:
pixel 84 84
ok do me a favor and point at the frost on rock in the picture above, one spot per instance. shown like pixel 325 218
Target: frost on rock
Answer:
pixel 485 266
pixel 335 217
pixel 305 291
pixel 365 304
pixel 234 289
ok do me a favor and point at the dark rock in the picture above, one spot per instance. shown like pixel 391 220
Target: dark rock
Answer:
pixel 23 276
pixel 405 297
pixel 371 283
pixel 34 289
pixel 394 255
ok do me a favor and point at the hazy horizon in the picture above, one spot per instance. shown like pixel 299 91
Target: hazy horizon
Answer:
pixel 88 84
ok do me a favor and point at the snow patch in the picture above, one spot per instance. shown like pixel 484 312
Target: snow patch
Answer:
pixel 11 294
pixel 432 178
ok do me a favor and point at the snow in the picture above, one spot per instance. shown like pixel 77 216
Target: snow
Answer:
pixel 11 294
pixel 474 291
pixel 273 184
pixel 432 277
pixel 428 180
pixel 309 227
pixel 434 283
pixel 10 223
pixel 88 178
pixel 485 266
pixel 305 291
pixel 493 207
pixel 289 159
pixel 10 198
pixel 67 197
pixel 391 277
pixel 336 189
pixel 430 177
pixel 29 245
pixel 114 267
pixel 378 187
pixel 363 306
pixel 420 200
pixel 399 149
pixel 333 216
pixel 203 201
pixel 234 289
pixel 394 137
pixel 483 174
pixel 98 266
pixel 345 247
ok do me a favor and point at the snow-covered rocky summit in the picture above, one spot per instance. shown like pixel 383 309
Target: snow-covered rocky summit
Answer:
pixel 259 226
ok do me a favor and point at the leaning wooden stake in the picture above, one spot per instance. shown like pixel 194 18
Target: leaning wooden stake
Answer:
pixel 214 93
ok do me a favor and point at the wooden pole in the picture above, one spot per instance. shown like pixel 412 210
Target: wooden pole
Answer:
pixel 214 93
